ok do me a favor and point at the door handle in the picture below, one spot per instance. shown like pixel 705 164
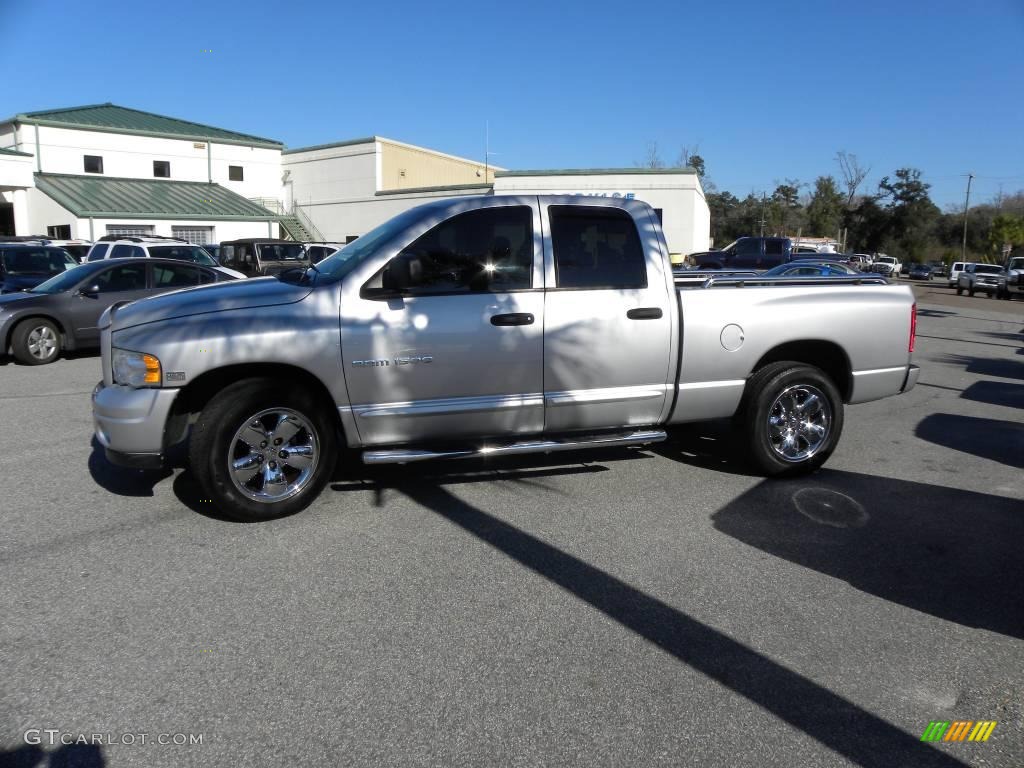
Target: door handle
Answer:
pixel 512 318
pixel 644 313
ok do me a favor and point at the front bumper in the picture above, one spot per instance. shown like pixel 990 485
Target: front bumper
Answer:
pixel 130 423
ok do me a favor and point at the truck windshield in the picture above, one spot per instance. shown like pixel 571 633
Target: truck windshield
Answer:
pixel 1016 263
pixel 28 261
pixel 340 263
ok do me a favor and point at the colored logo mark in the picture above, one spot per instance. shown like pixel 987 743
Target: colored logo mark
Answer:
pixel 958 730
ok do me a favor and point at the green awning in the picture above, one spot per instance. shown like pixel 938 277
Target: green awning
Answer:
pixel 105 197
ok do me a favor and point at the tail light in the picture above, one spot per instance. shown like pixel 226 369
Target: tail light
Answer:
pixel 913 327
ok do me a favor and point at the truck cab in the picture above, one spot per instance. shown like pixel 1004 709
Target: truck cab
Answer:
pixel 747 253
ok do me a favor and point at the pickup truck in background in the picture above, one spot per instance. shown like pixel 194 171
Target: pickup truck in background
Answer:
pixel 482 327
pixel 1011 283
pixel 759 253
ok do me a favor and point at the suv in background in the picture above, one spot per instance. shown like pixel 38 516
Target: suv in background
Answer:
pixel 152 246
pixel 24 265
pixel 255 257
pixel 77 248
pixel 980 277
pixel 1012 280
pixel 954 271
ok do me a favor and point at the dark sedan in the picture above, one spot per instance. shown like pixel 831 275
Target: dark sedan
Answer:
pixel 920 271
pixel 23 265
pixel 63 312
pixel 812 268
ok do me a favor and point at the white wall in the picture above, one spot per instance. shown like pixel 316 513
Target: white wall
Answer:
pixel 44 211
pixel 16 171
pixel 62 150
pixel 685 215
pixel 332 175
pixel 222 230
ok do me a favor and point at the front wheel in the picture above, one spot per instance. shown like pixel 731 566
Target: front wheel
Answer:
pixel 792 417
pixel 36 342
pixel 959 291
pixel 970 291
pixel 262 450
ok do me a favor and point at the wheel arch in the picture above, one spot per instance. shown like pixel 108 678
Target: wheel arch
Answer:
pixel 826 355
pixel 194 396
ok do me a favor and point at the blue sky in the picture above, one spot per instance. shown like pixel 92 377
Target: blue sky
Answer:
pixel 765 90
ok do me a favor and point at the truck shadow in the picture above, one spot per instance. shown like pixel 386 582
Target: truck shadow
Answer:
pixel 1001 441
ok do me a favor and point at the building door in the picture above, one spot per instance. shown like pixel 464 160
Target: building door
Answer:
pixel 7 219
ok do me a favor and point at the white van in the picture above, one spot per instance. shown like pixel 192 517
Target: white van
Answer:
pixel 955 270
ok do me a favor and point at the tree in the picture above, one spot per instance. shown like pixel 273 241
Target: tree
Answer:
pixel 1006 229
pixel 825 209
pixel 785 204
pixel 853 174
pixel 913 215
pixel 652 159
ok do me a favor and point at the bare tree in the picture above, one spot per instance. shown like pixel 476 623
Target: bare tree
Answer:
pixel 853 173
pixel 652 159
pixel 686 153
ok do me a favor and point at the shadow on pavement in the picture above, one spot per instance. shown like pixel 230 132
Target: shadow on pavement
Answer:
pixel 949 553
pixel 986 366
pixel 996 393
pixel 1001 441
pixel 121 480
pixel 833 721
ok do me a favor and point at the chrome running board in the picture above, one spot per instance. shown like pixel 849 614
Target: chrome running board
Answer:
pixel 406 455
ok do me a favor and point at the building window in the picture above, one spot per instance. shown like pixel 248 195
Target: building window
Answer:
pixel 93 164
pixel 162 169
pixel 193 235
pixel 59 232
pixel 130 230
pixel 235 173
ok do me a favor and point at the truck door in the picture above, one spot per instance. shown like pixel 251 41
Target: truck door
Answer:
pixel 608 319
pixel 746 254
pixel 445 340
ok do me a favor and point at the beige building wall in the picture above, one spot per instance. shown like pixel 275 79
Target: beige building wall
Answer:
pixel 404 166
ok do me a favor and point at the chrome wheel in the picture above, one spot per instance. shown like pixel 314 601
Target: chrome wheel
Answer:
pixel 42 342
pixel 799 422
pixel 273 455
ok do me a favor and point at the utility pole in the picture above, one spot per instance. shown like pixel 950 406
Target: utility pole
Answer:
pixel 487 150
pixel 967 207
pixel 763 196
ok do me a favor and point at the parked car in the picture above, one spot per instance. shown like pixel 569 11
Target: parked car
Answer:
pixel 955 270
pixel 487 326
pixel 979 277
pixel 895 266
pixel 150 246
pixel 918 271
pixel 63 312
pixel 1011 282
pixel 938 268
pixel 253 257
pixel 77 248
pixel 214 250
pixel 23 265
pixel 319 251
pixel 812 268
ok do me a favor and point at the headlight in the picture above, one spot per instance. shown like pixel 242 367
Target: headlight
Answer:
pixel 135 369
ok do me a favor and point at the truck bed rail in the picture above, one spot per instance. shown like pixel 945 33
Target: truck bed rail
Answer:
pixel 740 282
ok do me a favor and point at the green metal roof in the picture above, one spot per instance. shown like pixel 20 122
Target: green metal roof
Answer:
pixel 597 172
pixel 110 118
pixel 14 152
pixel 105 197
pixel 444 188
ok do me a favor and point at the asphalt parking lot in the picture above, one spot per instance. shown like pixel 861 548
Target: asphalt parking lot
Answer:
pixel 632 607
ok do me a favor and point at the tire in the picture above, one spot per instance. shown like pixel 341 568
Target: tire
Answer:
pixel 276 487
pixel 970 291
pixel 36 341
pixel 773 400
pixel 959 291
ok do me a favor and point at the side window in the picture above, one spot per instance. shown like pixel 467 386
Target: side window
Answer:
pixel 174 275
pixel 235 173
pixel 596 248
pixel 98 251
pixel 126 277
pixel 774 248
pixel 748 247
pixel 484 251
pixel 122 251
pixel 207 276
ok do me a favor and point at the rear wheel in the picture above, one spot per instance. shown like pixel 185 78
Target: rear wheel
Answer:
pixel 792 417
pixel 970 291
pixel 262 450
pixel 36 341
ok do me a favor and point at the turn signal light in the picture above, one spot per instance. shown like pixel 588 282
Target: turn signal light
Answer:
pixel 153 368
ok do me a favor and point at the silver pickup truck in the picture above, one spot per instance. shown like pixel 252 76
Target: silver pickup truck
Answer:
pixel 486 326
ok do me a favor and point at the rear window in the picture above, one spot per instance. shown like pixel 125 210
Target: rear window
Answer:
pixel 182 253
pixel 98 251
pixel 281 252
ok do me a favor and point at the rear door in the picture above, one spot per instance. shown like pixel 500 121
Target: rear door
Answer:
pixel 747 254
pixel 608 318
pixel 444 340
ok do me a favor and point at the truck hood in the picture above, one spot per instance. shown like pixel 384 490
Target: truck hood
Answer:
pixel 221 297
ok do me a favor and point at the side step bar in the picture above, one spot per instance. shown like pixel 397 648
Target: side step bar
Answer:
pixel 407 455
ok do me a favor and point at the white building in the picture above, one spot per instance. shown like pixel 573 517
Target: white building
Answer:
pixel 105 169
pixel 85 172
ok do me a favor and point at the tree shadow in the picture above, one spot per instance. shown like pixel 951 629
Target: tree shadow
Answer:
pixel 835 722
pixel 1001 441
pixel 949 553
pixel 996 392
pixel 986 366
